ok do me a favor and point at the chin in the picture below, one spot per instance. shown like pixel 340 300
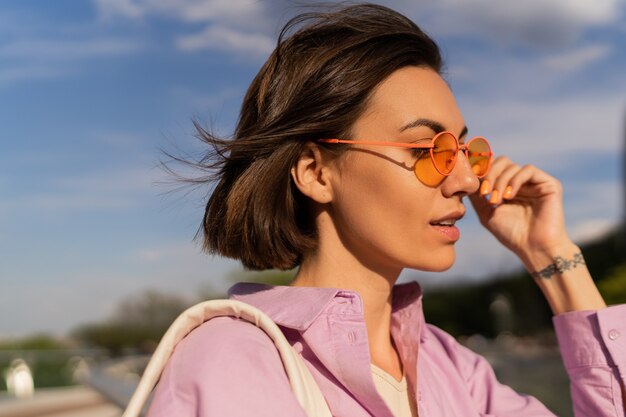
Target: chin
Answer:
pixel 436 262
pixel 433 267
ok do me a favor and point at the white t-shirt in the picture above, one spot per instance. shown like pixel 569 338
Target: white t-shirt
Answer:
pixel 395 393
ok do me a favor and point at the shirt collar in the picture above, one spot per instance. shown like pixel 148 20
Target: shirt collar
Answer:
pixel 298 307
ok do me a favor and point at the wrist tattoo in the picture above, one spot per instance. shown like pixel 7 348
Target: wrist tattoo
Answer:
pixel 559 266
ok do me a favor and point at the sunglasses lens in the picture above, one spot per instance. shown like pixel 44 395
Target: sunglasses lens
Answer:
pixel 431 171
pixel 479 155
pixel 445 153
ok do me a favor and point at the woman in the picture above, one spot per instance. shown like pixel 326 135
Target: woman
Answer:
pixel 345 163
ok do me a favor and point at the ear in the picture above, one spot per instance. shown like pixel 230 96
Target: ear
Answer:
pixel 310 173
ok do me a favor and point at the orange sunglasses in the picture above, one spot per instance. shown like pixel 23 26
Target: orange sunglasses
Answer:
pixel 444 150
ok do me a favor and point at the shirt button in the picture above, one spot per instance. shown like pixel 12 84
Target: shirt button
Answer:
pixel 613 334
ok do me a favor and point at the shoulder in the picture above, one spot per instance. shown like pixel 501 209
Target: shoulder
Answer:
pixel 225 344
pixel 226 366
pixel 223 334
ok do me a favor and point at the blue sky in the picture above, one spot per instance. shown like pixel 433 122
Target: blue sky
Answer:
pixel 92 90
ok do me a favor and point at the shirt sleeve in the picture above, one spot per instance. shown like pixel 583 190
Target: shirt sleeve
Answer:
pixel 593 347
pixel 226 367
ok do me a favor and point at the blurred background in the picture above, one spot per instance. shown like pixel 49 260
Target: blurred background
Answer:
pixel 96 245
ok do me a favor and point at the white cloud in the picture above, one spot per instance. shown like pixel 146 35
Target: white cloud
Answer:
pixel 56 50
pixel 80 192
pixel 536 23
pixel 222 10
pixel 577 59
pixel 36 59
pixel 91 292
pixel 125 8
pixel 16 74
pixel 225 39
pixel 239 26
pixel 548 132
pixel 195 102
pixel 591 229
pixel 186 10
pixel 592 200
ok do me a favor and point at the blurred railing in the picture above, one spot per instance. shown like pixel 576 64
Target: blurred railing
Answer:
pixel 43 383
pixel 76 401
pixel 524 364
pixel 114 379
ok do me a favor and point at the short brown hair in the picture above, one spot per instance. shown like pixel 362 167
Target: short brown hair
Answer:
pixel 315 84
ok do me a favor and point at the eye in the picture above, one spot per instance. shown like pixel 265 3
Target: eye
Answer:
pixel 419 153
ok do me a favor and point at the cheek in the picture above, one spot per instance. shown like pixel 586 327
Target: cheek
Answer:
pixel 383 206
pixel 380 193
pixel 383 212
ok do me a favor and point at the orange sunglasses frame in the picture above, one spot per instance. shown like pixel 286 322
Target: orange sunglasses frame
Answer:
pixel 430 146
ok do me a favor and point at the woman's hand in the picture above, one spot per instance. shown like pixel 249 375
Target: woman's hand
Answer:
pixel 524 210
pixel 525 213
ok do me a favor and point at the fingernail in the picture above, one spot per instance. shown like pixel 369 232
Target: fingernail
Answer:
pixel 484 188
pixel 508 192
pixel 495 197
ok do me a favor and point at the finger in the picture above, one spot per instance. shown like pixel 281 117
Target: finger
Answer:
pixel 521 177
pixel 501 187
pixel 498 165
pixel 530 175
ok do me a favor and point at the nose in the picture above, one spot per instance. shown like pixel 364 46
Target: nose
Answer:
pixel 462 180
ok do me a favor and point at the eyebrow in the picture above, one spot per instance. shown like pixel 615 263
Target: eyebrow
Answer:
pixel 431 124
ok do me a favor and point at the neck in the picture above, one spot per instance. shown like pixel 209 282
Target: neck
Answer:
pixel 334 267
pixel 374 290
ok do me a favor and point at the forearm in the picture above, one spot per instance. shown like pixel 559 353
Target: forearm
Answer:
pixel 563 277
pixel 566 283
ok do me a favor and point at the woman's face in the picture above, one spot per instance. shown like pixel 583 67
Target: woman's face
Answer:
pixel 382 212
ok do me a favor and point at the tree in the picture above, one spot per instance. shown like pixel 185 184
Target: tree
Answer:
pixel 138 323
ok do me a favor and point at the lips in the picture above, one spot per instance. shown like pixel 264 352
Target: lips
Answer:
pixel 449 219
pixel 445 225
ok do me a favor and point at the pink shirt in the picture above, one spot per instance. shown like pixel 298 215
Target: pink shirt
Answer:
pixel 230 368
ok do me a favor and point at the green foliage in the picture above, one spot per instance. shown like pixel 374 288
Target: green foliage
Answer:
pixel 33 342
pixel 48 369
pixel 52 372
pixel 270 277
pixel 604 255
pixel 118 337
pixel 45 358
pixel 613 287
pixel 139 323
pixel 465 310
